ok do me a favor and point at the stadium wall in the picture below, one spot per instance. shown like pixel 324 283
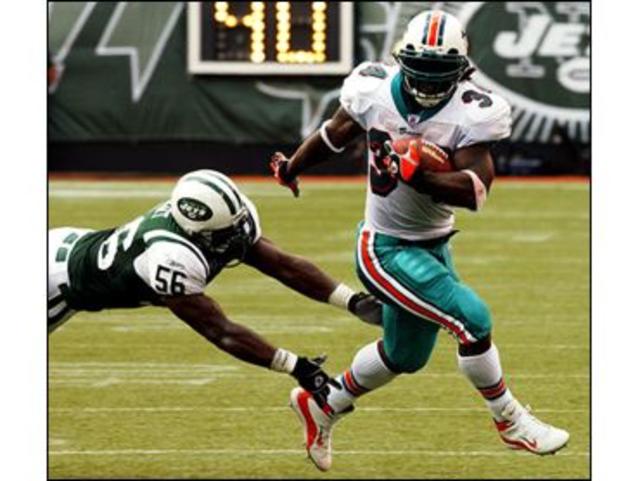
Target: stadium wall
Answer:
pixel 121 97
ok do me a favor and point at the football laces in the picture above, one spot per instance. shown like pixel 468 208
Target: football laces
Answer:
pixel 434 151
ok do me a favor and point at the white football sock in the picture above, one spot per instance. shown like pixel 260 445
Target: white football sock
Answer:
pixel 485 373
pixel 368 372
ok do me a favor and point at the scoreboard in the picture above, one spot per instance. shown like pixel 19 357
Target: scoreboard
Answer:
pixel 270 38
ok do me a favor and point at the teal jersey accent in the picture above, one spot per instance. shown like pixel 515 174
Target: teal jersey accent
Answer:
pixel 406 106
pixel 102 265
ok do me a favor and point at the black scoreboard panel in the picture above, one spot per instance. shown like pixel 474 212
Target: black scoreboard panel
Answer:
pixel 270 38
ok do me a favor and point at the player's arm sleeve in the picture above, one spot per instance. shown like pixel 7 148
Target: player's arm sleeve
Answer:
pixel 489 125
pixel 256 233
pixel 171 268
pixel 355 95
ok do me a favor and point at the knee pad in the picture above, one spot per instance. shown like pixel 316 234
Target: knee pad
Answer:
pixel 475 313
pixel 408 340
pixel 409 360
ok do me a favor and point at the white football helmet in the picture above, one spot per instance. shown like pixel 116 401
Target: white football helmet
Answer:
pixel 432 56
pixel 208 206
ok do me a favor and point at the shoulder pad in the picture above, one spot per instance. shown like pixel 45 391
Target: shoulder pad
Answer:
pixel 172 254
pixel 486 116
pixel 359 88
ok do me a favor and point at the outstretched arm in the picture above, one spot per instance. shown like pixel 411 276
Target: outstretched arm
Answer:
pixel 330 139
pixel 293 271
pixel 303 276
pixel 467 186
pixel 205 316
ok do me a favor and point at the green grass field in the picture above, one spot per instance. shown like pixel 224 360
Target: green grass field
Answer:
pixel 137 394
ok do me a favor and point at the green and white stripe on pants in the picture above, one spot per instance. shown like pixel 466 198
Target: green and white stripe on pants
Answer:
pixel 61 241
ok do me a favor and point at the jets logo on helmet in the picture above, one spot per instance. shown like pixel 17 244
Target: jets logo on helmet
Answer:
pixel 432 56
pixel 193 209
pixel 208 206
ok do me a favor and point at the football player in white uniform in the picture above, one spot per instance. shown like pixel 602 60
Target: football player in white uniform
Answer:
pixel 168 255
pixel 402 248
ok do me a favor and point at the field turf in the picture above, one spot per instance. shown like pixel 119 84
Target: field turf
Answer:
pixel 137 394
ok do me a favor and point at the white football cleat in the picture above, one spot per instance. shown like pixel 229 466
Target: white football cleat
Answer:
pixel 522 430
pixel 317 424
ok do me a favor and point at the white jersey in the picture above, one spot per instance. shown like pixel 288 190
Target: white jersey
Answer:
pixel 371 95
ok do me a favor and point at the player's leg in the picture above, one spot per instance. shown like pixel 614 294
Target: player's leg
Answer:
pixel 406 347
pixel 422 281
pixel 61 240
pixel 479 361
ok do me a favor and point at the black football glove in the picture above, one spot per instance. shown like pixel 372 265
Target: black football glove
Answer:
pixel 312 378
pixel 279 166
pixel 403 166
pixel 391 159
pixel 367 308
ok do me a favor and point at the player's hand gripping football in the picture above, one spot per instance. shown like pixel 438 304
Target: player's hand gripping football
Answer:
pixel 367 308
pixel 404 158
pixel 279 166
pixel 312 378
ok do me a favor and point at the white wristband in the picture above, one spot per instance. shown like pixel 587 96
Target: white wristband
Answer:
pixel 478 188
pixel 340 296
pixel 327 141
pixel 284 361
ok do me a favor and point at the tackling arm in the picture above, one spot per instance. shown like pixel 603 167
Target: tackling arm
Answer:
pixel 293 271
pixel 205 316
pixel 467 186
pixel 309 280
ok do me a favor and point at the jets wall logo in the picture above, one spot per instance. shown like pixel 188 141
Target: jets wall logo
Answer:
pixel 193 209
pixel 537 55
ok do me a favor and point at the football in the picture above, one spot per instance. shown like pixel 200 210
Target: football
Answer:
pixel 426 153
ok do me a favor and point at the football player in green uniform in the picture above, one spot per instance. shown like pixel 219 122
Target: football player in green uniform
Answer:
pixel 402 251
pixel 167 256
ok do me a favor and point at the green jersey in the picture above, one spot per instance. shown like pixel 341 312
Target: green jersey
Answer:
pixel 141 261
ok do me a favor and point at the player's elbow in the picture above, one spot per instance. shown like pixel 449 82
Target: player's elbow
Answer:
pixel 477 190
pixel 475 203
pixel 218 330
pixel 470 202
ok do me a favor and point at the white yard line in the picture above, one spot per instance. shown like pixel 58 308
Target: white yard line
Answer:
pixel 89 375
pixel 106 194
pixel 133 193
pixel 139 365
pixel 92 371
pixel 296 452
pixel 577 186
pixel 95 189
pixel 265 409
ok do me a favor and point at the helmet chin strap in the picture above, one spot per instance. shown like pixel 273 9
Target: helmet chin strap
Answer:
pixel 431 101
pixel 422 100
pixel 428 102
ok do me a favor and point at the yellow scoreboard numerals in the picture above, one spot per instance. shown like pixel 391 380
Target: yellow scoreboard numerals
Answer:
pixel 284 53
pixel 255 21
pixel 318 52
